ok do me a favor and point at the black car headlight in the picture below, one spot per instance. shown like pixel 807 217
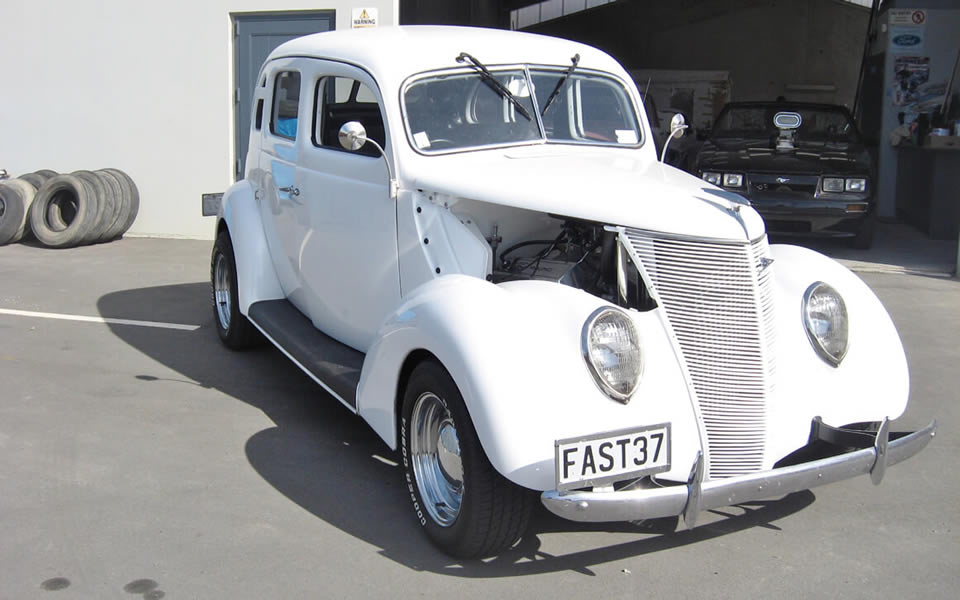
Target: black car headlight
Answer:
pixel 833 184
pixel 711 177
pixel 733 180
pixel 855 184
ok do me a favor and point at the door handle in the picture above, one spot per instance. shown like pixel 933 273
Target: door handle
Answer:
pixel 290 190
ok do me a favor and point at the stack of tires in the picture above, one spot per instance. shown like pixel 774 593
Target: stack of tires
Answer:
pixel 62 211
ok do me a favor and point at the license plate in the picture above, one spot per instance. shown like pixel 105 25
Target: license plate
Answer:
pixel 612 456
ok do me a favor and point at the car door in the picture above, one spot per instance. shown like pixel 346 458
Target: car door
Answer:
pixel 279 201
pixel 347 259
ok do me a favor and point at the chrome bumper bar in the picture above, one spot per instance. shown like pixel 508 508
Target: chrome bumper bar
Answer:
pixel 697 495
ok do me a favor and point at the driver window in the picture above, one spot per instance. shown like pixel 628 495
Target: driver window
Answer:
pixel 339 100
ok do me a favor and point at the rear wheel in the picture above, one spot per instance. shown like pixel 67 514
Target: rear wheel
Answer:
pixel 235 330
pixel 465 506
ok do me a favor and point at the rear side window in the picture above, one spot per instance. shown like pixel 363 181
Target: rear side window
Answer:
pixel 286 102
pixel 340 100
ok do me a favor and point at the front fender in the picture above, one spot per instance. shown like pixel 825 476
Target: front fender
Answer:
pixel 871 383
pixel 514 351
pixel 256 278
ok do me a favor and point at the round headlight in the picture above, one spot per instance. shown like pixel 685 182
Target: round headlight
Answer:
pixel 611 347
pixel 825 318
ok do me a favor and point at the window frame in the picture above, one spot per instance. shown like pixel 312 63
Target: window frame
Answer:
pixel 275 102
pixel 319 102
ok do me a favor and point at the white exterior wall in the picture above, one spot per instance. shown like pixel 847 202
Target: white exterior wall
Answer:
pixel 143 86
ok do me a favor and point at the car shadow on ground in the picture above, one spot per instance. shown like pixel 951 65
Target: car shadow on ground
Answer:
pixel 328 461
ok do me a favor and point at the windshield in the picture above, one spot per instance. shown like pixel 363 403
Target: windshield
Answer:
pixel 820 124
pixel 463 110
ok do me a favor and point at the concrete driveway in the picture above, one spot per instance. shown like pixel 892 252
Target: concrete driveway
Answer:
pixel 145 460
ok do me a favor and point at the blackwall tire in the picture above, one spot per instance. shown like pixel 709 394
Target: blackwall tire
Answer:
pixel 122 209
pixel 113 204
pixel 63 188
pixel 60 212
pixel 34 179
pixel 132 199
pixel 38 178
pixel 463 504
pixel 96 185
pixel 11 213
pixel 235 330
pixel 28 192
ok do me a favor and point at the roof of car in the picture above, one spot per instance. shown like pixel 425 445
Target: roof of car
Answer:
pixel 404 50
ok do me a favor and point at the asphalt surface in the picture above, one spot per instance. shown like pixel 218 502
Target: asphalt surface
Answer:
pixel 151 462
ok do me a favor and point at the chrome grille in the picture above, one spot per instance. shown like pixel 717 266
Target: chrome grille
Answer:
pixel 718 301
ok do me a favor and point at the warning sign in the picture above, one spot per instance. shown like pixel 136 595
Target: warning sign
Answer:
pixel 364 17
pixel 907 16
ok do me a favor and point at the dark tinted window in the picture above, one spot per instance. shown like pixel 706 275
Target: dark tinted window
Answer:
pixel 820 124
pixel 340 100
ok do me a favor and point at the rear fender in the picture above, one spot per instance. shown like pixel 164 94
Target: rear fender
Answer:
pixel 256 278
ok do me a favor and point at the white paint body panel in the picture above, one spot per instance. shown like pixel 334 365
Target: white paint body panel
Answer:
pixel 514 351
pixel 256 277
pixel 409 274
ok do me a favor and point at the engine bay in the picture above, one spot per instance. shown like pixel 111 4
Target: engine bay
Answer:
pixel 583 255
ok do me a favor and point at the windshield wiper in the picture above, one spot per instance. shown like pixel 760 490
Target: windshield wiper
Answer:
pixel 575 60
pixel 494 83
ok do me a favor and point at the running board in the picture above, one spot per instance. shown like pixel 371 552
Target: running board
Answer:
pixel 333 365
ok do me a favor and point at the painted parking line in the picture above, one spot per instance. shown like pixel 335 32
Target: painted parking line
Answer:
pixel 107 320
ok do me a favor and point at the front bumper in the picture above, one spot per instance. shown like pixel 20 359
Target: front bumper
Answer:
pixel 697 495
pixel 816 219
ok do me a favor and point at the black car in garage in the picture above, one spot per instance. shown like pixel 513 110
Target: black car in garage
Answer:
pixel 803 166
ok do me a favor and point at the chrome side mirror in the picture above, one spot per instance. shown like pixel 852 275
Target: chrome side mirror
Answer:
pixel 677 125
pixel 352 135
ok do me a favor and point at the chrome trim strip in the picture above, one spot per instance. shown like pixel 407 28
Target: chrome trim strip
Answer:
pixel 634 504
pixel 689 238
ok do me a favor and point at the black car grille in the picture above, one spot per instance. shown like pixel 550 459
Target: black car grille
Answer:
pixel 765 182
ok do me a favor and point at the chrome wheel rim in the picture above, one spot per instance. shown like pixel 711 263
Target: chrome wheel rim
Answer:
pixel 437 464
pixel 221 290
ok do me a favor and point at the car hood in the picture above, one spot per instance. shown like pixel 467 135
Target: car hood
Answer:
pixel 759 156
pixel 617 187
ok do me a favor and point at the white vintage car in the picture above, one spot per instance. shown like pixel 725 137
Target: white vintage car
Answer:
pixel 466 237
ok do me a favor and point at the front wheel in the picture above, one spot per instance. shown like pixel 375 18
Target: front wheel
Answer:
pixel 235 331
pixel 465 506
